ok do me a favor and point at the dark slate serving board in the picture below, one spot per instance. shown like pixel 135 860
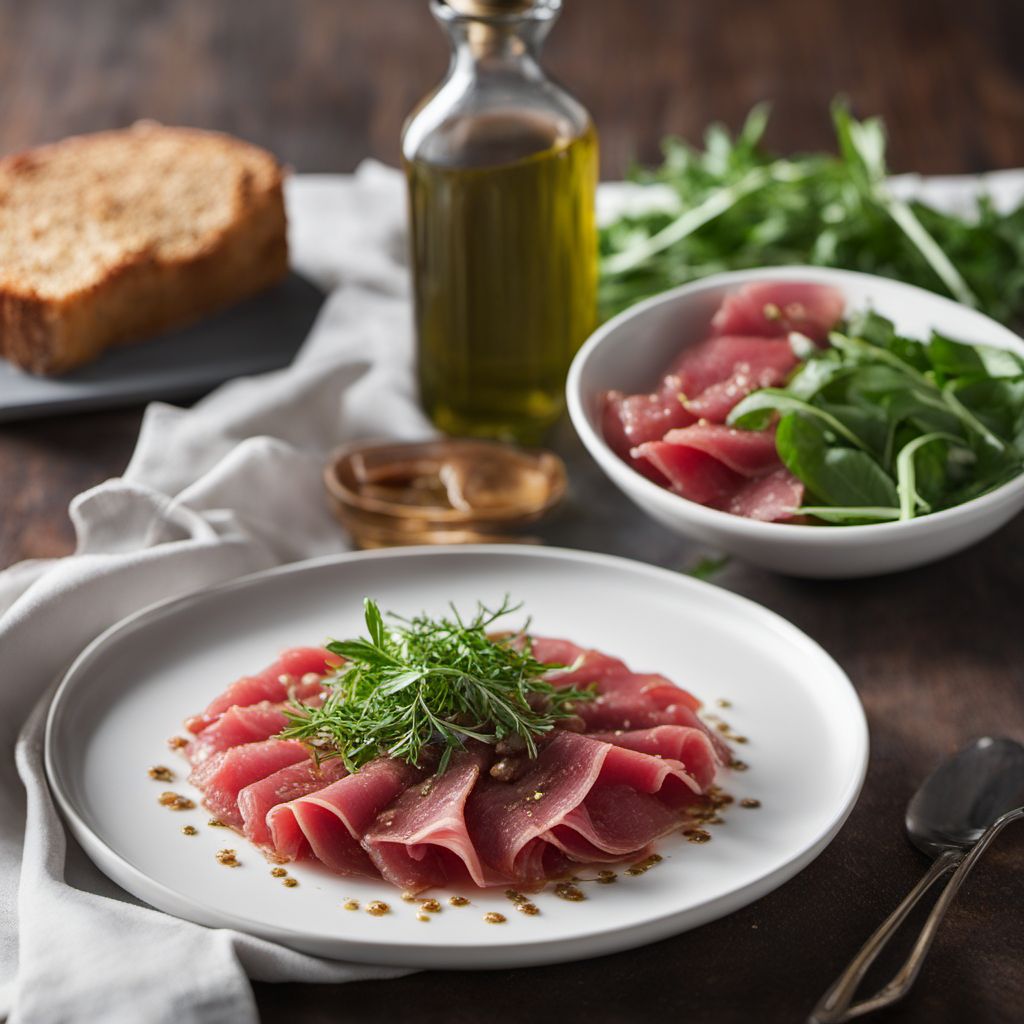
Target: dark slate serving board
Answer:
pixel 263 333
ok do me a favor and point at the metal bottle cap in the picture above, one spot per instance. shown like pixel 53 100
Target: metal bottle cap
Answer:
pixel 489 8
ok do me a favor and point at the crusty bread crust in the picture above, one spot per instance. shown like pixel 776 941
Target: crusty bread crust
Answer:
pixel 92 255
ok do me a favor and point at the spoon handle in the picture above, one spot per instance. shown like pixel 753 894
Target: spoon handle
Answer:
pixel 836 1006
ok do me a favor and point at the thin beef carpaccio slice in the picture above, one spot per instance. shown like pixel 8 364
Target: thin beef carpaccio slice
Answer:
pixel 719 466
pixel 773 308
pixel 750 347
pixel 750 453
pixel 721 357
pixel 771 498
pixel 773 363
pixel 625 699
pixel 242 724
pixel 330 823
pixel 290 676
pixel 421 840
pixel 705 383
pixel 580 666
pixel 630 420
pixel 563 803
pixel 577 664
pixel 288 783
pixel 692 747
pixel 222 777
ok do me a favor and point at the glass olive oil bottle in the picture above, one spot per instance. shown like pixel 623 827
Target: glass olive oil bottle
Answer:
pixel 502 168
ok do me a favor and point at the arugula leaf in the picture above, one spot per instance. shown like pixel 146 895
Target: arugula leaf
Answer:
pixel 740 206
pixel 708 566
pixel 906 472
pixel 875 437
pixel 861 515
pixel 837 475
pixel 999 405
pixel 955 359
pixel 755 412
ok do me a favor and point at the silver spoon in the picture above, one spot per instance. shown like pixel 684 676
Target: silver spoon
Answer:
pixel 958 810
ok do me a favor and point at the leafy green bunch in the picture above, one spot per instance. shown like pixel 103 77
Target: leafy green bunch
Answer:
pixel 431 683
pixel 880 427
pixel 740 207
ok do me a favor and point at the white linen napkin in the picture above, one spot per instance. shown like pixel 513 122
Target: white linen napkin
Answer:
pixel 225 488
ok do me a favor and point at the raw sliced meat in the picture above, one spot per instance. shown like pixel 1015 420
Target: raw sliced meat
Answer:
pixel 630 420
pixel 691 473
pixel 751 453
pixel 278 682
pixel 771 308
pixel 331 822
pixel 770 499
pixel 513 825
pixel 715 402
pixel 582 665
pixel 237 725
pixel 225 775
pixel 421 840
pixel 750 347
pixel 606 826
pixel 586 665
pixel 622 710
pixel 710 463
pixel 256 800
pixel 625 699
pixel 717 358
pixel 692 747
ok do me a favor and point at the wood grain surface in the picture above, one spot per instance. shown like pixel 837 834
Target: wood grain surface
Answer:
pixel 936 654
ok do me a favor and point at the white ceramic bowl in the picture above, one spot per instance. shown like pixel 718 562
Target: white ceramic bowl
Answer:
pixel 631 352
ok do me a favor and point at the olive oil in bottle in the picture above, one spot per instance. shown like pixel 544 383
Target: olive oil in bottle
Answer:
pixel 502 169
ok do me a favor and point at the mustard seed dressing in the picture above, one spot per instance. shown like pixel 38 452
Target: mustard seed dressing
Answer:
pixel 569 891
pixel 175 801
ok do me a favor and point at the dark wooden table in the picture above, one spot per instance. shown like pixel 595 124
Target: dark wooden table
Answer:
pixel 937 654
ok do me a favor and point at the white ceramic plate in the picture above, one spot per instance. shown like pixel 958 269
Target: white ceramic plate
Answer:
pixel 128 692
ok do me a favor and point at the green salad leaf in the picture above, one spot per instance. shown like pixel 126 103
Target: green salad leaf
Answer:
pixel 739 206
pixel 880 427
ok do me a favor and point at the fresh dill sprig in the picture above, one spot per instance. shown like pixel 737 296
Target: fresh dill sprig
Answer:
pixel 431 684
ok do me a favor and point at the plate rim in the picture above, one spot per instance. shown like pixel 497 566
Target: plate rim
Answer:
pixel 524 952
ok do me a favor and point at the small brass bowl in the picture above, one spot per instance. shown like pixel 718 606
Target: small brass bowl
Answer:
pixel 451 491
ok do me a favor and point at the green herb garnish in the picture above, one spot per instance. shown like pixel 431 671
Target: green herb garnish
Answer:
pixel 707 567
pixel 739 206
pixel 880 427
pixel 431 684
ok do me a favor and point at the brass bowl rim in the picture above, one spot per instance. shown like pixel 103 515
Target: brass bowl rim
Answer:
pixel 551 464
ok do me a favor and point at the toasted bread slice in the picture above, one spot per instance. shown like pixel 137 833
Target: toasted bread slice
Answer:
pixel 113 237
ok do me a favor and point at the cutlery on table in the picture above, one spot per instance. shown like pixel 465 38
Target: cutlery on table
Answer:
pixel 952 818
